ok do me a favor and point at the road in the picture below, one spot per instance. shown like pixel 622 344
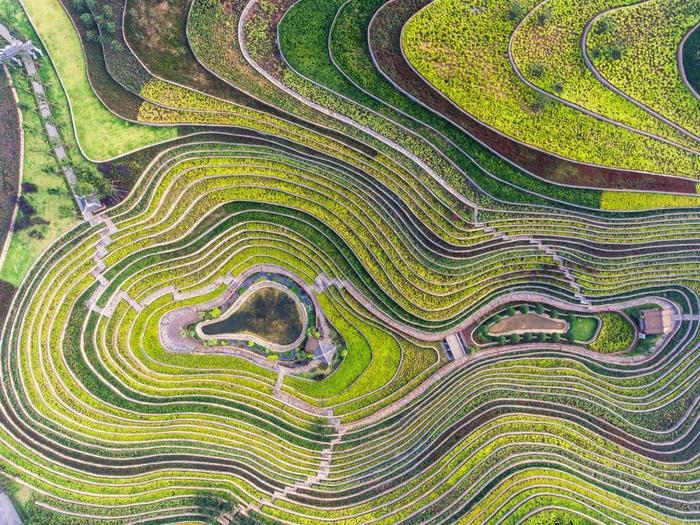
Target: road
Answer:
pixel 8 514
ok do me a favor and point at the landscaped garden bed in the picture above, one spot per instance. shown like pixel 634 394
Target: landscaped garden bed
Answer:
pixel 604 332
pixel 267 314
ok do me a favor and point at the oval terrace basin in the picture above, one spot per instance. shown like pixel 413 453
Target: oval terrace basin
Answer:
pixel 528 323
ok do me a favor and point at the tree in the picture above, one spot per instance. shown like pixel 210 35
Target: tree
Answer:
pixel 543 16
pixel 516 11
pixel 86 19
pixel 84 188
pixel 536 70
pixel 603 26
pixel 539 308
pixel 539 102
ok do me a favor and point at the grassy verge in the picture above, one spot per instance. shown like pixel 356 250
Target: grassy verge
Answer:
pixel 49 210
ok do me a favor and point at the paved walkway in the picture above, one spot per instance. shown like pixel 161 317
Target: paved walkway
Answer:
pixel 8 514
pixel 172 322
pixel 87 204
pixel 686 317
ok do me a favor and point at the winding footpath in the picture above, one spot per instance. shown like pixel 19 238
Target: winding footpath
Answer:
pixel 87 204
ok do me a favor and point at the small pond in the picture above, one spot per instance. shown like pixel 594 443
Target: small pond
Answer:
pixel 268 313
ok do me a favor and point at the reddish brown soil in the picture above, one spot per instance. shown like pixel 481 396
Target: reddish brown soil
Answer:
pixel 529 322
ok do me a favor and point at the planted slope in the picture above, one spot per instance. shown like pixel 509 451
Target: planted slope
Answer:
pixel 635 48
pixel 462 50
pixel 108 423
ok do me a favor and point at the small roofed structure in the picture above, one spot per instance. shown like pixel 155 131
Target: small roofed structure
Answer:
pixel 321 349
pixel 13 51
pixel 654 322
pixel 454 347
pixel 89 204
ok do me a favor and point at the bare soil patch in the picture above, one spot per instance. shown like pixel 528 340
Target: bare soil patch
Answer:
pixel 528 323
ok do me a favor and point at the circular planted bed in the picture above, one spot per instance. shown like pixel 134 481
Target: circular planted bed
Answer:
pixel 267 313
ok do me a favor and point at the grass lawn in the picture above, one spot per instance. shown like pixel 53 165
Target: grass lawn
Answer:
pixel 101 134
pixel 583 328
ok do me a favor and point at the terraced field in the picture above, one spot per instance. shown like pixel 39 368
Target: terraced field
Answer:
pixel 404 174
